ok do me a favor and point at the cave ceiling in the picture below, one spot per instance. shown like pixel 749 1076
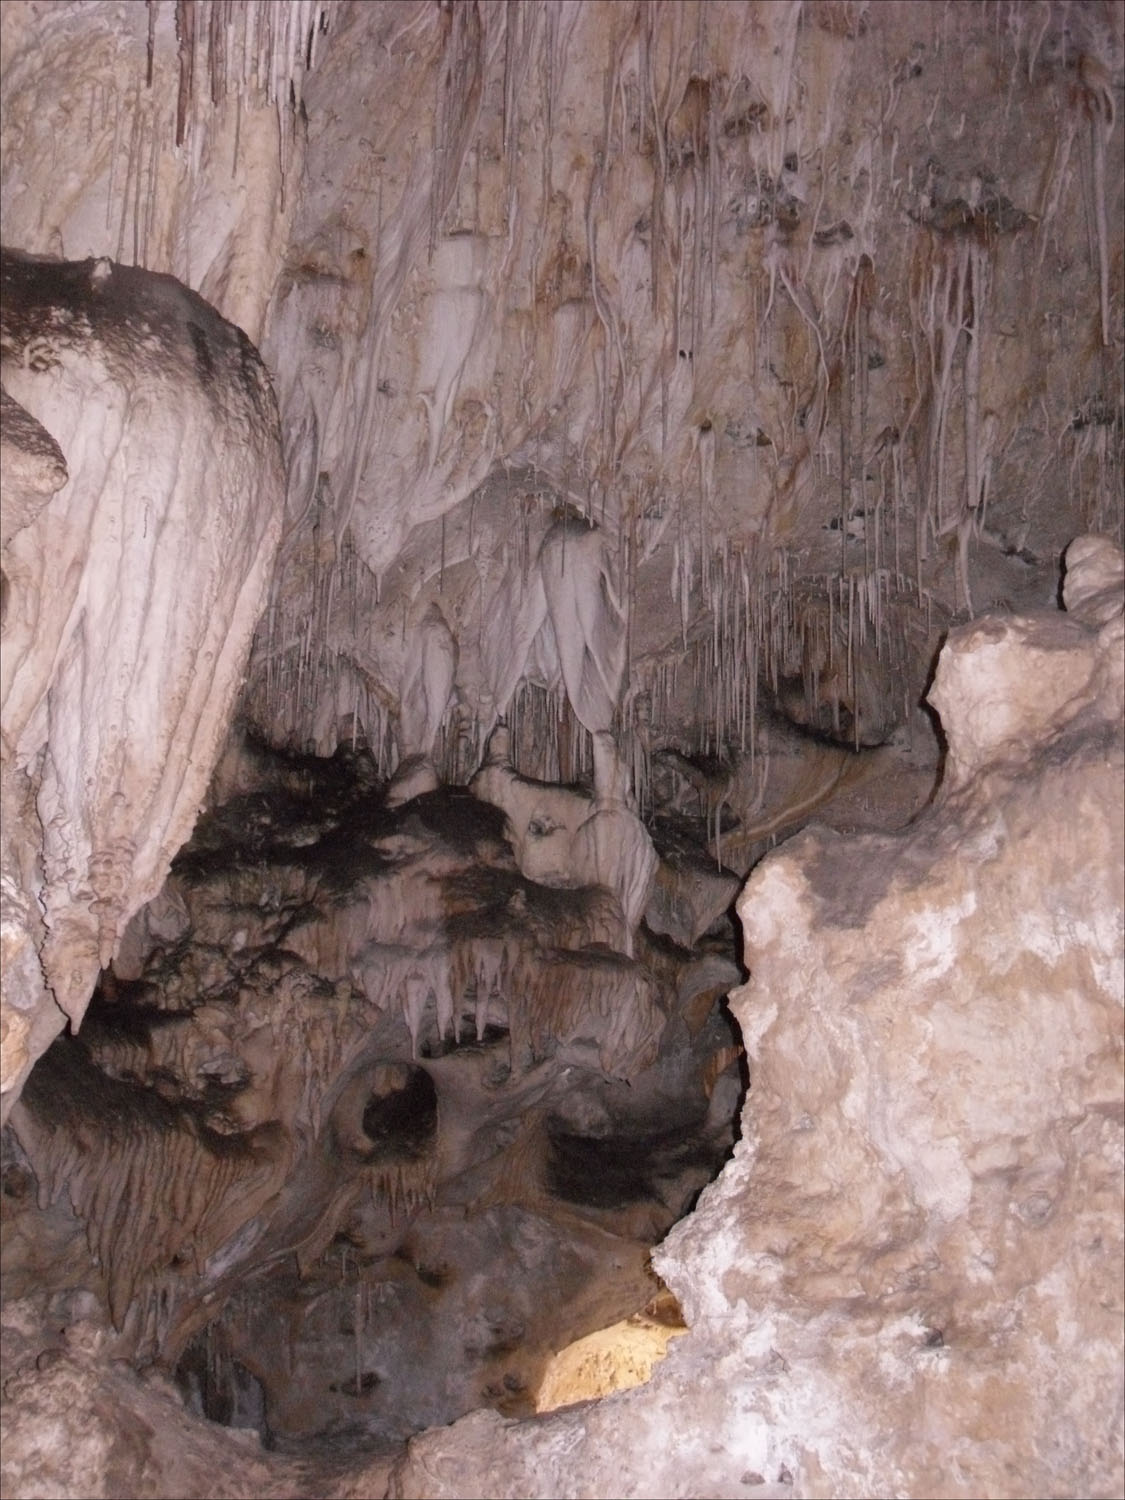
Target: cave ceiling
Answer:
pixel 807 309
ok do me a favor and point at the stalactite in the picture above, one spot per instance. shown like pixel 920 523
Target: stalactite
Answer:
pixel 405 1186
pixel 801 299
pixel 185 34
pixel 276 47
pixel 521 1175
pixel 151 43
pixel 460 89
pixel 645 89
pixel 551 1001
pixel 132 166
pixel 1102 111
pixel 359 1319
pixel 978 274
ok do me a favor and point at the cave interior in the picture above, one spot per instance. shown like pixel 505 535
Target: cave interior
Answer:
pixel 530 526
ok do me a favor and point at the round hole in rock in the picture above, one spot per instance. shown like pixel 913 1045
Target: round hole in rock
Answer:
pixel 387 1113
pixel 400 1117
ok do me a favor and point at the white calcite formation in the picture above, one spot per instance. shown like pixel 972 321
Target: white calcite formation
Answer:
pixel 145 461
pixel 566 838
pixel 908 1279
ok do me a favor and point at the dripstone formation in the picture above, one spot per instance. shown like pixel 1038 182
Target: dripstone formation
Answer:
pixel 561 707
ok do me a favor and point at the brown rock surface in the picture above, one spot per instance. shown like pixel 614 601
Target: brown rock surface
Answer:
pixel 373 1126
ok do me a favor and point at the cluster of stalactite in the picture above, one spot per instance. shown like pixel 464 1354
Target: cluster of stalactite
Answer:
pixel 825 492
pixel 754 348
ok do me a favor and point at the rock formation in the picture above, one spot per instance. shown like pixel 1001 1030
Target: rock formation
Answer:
pixel 135 572
pixel 478 478
pixel 908 1278
pixel 359 1062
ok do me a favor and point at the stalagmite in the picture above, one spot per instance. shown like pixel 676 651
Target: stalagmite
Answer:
pixel 587 619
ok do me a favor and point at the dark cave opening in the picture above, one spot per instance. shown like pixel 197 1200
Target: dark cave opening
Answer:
pixel 395 1096
pixel 400 1117
pixel 219 1388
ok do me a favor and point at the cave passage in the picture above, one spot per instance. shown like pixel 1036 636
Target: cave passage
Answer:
pixel 399 1123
